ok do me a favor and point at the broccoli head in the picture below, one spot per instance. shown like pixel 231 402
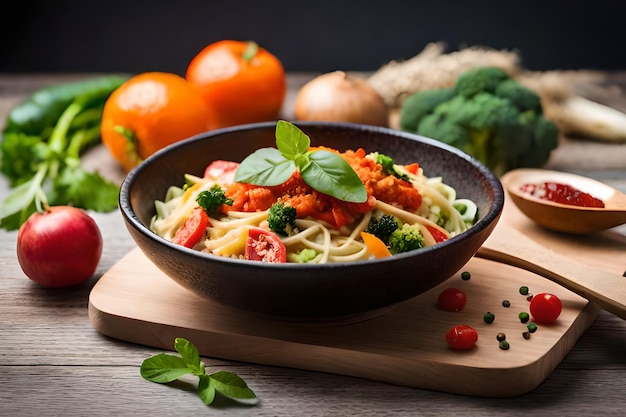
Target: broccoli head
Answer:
pixel 406 238
pixel 382 227
pixel 281 219
pixel 489 116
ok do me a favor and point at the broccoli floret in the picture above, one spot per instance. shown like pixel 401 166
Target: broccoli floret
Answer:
pixel 406 238
pixel 418 105
pixel 302 257
pixel 490 116
pixel 521 97
pixel 479 79
pixel 211 200
pixel 389 167
pixel 441 127
pixel 382 227
pixel 281 219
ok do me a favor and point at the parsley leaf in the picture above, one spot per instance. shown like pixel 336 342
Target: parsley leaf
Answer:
pixel 212 199
pixel 164 368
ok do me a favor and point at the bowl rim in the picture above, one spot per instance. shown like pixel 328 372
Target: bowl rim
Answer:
pixel 133 220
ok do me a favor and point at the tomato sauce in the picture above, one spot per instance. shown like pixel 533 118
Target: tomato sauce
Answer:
pixel 563 194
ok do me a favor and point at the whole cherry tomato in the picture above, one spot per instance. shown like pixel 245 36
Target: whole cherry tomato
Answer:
pixel 265 246
pixel 240 81
pixel 545 308
pixel 451 299
pixel 150 111
pixel 462 337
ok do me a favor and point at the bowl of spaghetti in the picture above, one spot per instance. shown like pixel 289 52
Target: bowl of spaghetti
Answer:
pixel 313 221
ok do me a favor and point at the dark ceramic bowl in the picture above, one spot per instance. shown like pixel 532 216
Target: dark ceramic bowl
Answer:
pixel 331 292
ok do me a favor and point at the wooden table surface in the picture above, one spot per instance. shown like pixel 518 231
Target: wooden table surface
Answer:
pixel 53 362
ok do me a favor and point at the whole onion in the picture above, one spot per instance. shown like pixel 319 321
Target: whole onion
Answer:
pixel 339 97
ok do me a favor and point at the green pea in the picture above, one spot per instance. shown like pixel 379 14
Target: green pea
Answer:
pixel 489 317
pixel 504 345
pixel 524 317
pixel 532 327
pixel 523 290
pixel 465 275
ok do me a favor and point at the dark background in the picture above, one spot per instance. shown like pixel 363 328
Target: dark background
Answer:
pixel 320 36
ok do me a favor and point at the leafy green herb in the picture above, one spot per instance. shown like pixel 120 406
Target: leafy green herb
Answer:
pixel 164 368
pixel 322 170
pixel 212 199
pixel 41 147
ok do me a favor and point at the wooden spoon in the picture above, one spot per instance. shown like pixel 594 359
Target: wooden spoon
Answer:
pixel 563 217
pixel 510 246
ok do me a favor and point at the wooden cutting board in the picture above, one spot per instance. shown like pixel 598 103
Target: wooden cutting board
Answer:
pixel 135 302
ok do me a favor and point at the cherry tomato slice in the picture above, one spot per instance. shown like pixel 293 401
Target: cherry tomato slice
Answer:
pixel 193 229
pixel 545 308
pixel 222 172
pixel 412 168
pixel 265 246
pixel 438 235
pixel 462 337
pixel 451 299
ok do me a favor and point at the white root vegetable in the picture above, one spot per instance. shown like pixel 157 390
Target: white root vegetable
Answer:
pixel 433 69
pixel 575 115
pixel 340 97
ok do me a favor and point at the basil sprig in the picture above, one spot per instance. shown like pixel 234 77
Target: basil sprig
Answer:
pixel 322 170
pixel 164 368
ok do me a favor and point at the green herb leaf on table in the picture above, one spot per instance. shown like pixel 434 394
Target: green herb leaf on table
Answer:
pixel 164 368
pixel 322 170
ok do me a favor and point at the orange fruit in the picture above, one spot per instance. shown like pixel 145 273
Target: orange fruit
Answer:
pixel 150 111
pixel 240 81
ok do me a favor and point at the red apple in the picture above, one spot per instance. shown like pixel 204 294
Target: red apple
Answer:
pixel 59 247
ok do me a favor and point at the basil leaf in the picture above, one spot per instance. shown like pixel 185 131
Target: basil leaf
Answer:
pixel 231 384
pixel 330 174
pixel 163 368
pixel 266 166
pixel 290 140
pixel 189 352
pixel 206 390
